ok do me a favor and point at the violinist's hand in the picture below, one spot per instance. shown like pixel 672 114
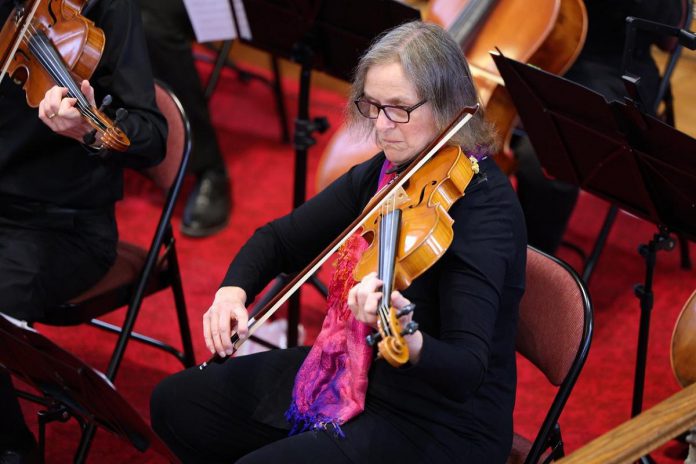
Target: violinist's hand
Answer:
pixel 60 114
pixel 364 298
pixel 228 311
pixel 415 340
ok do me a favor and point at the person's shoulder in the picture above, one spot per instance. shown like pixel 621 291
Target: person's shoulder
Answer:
pixel 367 170
pixel 490 194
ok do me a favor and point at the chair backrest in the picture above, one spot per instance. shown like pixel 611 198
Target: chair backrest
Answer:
pixel 669 44
pixel 173 167
pixel 554 331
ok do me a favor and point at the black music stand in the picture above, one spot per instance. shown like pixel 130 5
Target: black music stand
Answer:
pixel 327 36
pixel 71 389
pixel 616 152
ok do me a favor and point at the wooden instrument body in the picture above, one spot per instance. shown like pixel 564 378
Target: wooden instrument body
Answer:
pixel 683 347
pixel 426 230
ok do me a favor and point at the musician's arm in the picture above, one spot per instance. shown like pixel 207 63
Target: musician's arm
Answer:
pixel 124 73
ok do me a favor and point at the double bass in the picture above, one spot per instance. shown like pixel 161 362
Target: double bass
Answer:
pixel 48 42
pixel 548 35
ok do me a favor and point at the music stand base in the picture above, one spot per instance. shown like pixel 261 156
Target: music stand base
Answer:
pixel 55 412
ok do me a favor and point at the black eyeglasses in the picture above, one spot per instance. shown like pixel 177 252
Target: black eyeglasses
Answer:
pixel 394 113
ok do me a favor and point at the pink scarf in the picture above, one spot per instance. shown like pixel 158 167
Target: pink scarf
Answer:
pixel 331 384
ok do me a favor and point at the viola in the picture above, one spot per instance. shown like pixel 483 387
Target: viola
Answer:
pixel 48 42
pixel 436 198
pixel 409 233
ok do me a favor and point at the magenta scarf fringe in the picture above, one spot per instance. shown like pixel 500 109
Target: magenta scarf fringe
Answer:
pixel 331 384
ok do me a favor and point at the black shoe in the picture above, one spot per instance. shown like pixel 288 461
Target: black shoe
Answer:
pixel 208 207
pixel 24 456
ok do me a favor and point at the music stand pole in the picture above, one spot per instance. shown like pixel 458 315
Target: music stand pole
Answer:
pixel 303 139
pixel 660 241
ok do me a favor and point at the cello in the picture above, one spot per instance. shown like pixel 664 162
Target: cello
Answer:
pixel 48 42
pixel 550 38
pixel 683 346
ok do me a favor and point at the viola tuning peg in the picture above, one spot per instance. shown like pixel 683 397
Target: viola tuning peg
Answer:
pixel 106 101
pixel 90 137
pixel 121 114
pixel 410 328
pixel 406 310
pixel 372 339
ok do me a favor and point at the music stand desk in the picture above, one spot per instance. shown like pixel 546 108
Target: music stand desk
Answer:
pixel 72 387
pixel 612 150
pixel 619 153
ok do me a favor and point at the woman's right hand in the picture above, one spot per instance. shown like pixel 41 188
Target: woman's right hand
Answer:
pixel 227 312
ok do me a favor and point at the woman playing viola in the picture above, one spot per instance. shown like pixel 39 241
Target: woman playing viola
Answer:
pixel 453 400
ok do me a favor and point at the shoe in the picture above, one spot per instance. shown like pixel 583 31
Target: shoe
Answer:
pixel 30 456
pixel 208 207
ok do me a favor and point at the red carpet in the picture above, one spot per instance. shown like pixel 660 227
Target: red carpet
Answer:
pixel 261 168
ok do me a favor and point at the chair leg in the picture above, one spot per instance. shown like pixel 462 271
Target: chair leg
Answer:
pixel 278 283
pixel 113 328
pixel 85 443
pixel 180 305
pixel 280 100
pixel 219 63
pixel 319 285
pixel 126 331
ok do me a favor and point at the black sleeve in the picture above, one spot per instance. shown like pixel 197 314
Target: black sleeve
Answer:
pixel 291 242
pixel 484 261
pixel 124 73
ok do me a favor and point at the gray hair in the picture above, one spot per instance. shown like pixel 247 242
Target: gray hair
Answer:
pixel 436 66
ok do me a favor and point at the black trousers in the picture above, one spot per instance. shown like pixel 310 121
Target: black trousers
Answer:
pixel 233 412
pixel 169 35
pixel 45 259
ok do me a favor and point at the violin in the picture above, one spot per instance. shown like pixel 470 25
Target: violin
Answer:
pixel 411 192
pixel 48 42
pixel 414 231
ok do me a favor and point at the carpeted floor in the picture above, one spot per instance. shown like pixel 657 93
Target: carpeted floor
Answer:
pixel 261 168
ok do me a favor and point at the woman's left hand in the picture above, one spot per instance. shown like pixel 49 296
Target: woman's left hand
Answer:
pixel 59 113
pixel 363 300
